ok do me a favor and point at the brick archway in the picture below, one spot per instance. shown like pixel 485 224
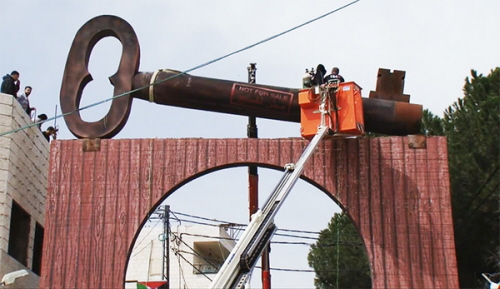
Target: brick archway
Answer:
pixel 398 199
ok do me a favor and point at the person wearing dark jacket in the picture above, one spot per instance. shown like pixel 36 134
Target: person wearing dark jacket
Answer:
pixel 318 76
pixel 11 84
pixel 51 131
pixel 335 76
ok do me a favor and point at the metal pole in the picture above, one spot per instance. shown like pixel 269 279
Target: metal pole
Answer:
pixel 253 180
pixel 166 246
pixel 253 177
pixel 266 273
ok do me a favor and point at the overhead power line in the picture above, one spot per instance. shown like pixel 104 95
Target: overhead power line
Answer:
pixel 188 70
pixel 277 234
pixel 146 235
pixel 308 270
pixel 238 224
pixel 194 251
pixel 329 244
pixel 139 251
pixel 192 265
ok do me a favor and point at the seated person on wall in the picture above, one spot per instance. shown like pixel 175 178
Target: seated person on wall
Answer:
pixel 41 118
pixel 335 76
pixel 51 131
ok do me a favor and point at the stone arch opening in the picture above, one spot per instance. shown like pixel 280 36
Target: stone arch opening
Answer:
pixel 305 189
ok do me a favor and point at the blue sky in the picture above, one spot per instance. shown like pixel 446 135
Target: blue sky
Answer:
pixel 435 42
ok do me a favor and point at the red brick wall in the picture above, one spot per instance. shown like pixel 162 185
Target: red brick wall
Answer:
pixel 398 198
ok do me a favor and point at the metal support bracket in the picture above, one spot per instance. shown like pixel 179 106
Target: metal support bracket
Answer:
pixel 417 141
pixel 91 145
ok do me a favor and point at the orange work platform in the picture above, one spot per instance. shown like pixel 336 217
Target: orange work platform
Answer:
pixel 344 107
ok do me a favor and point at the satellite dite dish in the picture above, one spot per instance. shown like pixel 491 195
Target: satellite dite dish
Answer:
pixel 9 278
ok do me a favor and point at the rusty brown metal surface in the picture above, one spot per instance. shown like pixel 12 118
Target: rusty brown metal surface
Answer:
pixel 390 86
pixel 76 76
pixel 280 103
pixel 91 145
pixel 220 95
pixel 417 141
pixel 398 199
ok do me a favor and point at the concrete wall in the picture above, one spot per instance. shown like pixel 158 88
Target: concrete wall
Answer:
pixel 23 178
pixel 145 263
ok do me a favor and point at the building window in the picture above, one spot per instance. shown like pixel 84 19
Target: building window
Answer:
pixel 37 249
pixel 19 234
pixel 208 257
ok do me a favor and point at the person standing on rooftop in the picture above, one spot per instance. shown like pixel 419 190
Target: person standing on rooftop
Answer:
pixel 11 84
pixel 24 100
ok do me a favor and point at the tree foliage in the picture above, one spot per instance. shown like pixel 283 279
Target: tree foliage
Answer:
pixel 472 125
pixel 432 125
pixel 339 256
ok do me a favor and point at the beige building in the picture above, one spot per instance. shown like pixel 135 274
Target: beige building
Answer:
pixel 23 187
pixel 196 252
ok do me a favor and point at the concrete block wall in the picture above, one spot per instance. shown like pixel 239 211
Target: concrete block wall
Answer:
pixel 23 178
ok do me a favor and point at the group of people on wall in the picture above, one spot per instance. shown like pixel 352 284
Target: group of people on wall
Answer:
pixel 11 85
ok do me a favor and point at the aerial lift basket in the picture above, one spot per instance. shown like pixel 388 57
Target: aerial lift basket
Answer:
pixel 344 110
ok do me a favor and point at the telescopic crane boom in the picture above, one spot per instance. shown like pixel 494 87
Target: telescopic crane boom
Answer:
pixel 242 259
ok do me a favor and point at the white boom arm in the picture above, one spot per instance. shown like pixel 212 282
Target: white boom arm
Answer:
pixel 235 270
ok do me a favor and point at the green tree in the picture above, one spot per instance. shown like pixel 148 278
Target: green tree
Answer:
pixel 472 125
pixel 432 125
pixel 338 257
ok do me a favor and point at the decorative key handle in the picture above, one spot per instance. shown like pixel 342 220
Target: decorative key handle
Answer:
pixel 77 76
pixel 167 87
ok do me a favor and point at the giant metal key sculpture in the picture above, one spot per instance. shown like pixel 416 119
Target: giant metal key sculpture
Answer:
pixel 380 115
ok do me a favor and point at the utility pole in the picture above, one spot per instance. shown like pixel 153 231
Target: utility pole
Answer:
pixel 166 246
pixel 253 184
pixel 253 177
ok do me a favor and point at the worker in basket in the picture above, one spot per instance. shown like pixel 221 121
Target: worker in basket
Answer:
pixel 334 77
